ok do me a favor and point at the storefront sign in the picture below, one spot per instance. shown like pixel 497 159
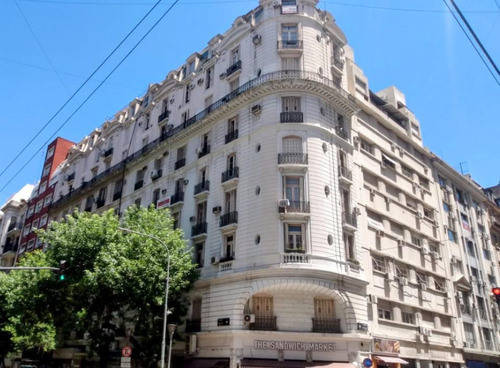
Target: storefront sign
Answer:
pixel 163 203
pixel 293 345
pixel 386 346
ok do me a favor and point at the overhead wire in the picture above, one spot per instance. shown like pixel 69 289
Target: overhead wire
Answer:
pixel 471 42
pixel 93 92
pixel 79 89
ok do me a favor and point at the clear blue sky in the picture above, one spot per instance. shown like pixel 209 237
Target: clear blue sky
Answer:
pixel 47 51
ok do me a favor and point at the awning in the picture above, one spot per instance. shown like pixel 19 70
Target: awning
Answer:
pixel 375 224
pixel 263 363
pixel 386 359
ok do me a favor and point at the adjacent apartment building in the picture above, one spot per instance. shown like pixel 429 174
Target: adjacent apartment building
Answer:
pixel 324 231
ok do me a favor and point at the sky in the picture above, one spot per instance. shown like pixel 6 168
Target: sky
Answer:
pixel 50 47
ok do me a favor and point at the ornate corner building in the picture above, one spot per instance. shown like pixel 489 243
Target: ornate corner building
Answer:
pixel 324 231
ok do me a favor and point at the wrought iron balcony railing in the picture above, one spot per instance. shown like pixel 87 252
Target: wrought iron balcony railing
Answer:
pixel 231 136
pixel 204 186
pixel 350 219
pixel 295 207
pixel 193 325
pixel 329 325
pixel 177 198
pixel 231 174
pixel 344 172
pixel 229 218
pixel 199 229
pixel 139 184
pixel 292 117
pixel 290 45
pixel 233 68
pixel 292 158
pixel 163 116
pixel 205 150
pixel 180 163
pixel 342 132
pixel 264 323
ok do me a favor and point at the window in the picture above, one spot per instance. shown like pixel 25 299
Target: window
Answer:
pixel 290 64
pixel 137 202
pixel 26 229
pixel 385 314
pixel 43 220
pixel 209 77
pixel 446 207
pixel 176 220
pixel 234 84
pixel 50 153
pixel 423 182
pixel 378 264
pixel 442 181
pixel 31 210
pixel 235 55
pixel 231 164
pixel 407 171
pixel 421 278
pixel 228 252
pixel 401 271
pixel 289 36
pixel 262 306
pixel 199 254
pixel 191 67
pixel 294 237
pixel 433 247
pixel 290 104
pixel 469 333
pixel 139 178
pixel 487 254
pixel 230 203
pixel 323 308
pixel 48 200
pixel 452 236
pixel 156 197
pixel 460 196
pixel 187 95
pixel 34 225
pixel 428 213
pixel 43 187
pixel 439 284
pixel 365 146
pixel 232 129
pixel 46 170
pixel 117 192
pixel 470 249
pixel 387 162
pixel 201 212
pixel 349 247
pixel 407 318
pixel 39 206
pixel 294 190
pixel 416 240
pixel 465 222
pixel 31 244
pixel 196 310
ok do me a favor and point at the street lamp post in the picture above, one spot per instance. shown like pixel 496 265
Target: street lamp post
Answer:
pixel 165 313
pixel 171 330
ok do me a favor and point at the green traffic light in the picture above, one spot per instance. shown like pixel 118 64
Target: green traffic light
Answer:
pixel 62 277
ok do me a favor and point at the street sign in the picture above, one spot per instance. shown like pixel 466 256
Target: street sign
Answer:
pixel 127 351
pixel 367 363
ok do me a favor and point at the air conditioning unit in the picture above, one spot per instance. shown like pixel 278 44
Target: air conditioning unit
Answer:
pixel 428 332
pixel 435 223
pixel 256 109
pixel 154 173
pixel 422 286
pixel 418 337
pixel 217 209
pixel 257 39
pixel 191 86
pixel 389 276
pixel 192 219
pixel 283 203
pixel 380 233
pixel 420 214
pixel 467 344
pixel 401 243
pixel 387 200
pixel 424 250
pixel 192 345
pixel 185 182
pixel 435 255
pixel 198 150
pixel 249 318
pixel 453 260
pixel 357 211
pixel 373 299
pixel 403 281
pixel 170 126
pixel 371 191
pixel 222 76
pixel 214 260
pixel 453 338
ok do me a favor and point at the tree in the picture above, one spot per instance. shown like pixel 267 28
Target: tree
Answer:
pixel 115 281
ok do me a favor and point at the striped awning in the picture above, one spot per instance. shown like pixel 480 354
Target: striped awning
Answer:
pixel 387 359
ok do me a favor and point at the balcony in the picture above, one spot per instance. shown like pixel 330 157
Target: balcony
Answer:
pixel 108 153
pixel 204 186
pixel 139 184
pixel 163 117
pixel 293 45
pixel 326 325
pixel 228 219
pixel 294 257
pixel 264 323
pixel 193 325
pixel 295 207
pixel 117 195
pixel 350 220
pixel 231 136
pixel 100 202
pixel 9 247
pixel 177 198
pixel 205 150
pixel 292 158
pixel 342 132
pixel 156 174
pixel 231 174
pixel 199 229
pixel 233 68
pixel 292 117
pixel 14 227
pixel 180 163
pixel 345 175
pixel 226 265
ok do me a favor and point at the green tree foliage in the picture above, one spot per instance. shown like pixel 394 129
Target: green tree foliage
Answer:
pixel 114 285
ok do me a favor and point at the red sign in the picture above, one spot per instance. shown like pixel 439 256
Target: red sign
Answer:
pixel 126 351
pixel 163 203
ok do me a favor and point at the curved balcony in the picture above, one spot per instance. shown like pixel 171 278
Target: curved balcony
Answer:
pixel 292 117
pixel 331 90
pixel 291 158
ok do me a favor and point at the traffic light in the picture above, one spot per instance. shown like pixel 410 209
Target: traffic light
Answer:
pixel 63 265
pixel 496 294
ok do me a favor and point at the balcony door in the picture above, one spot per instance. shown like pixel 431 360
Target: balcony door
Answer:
pixel 231 201
pixel 289 35
pixel 201 213
pixel 290 104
